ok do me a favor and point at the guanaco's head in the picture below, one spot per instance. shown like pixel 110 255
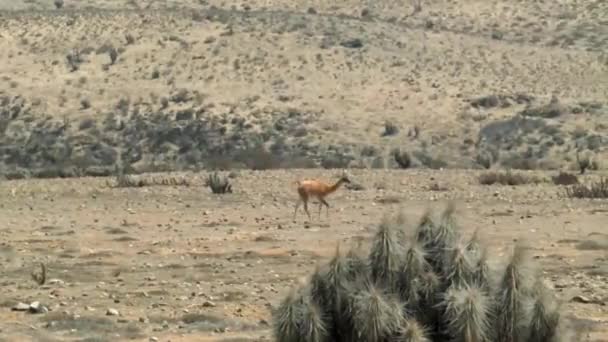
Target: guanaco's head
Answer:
pixel 344 177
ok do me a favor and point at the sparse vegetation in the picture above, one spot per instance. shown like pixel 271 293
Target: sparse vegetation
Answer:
pixel 124 180
pixel 390 129
pixel 113 53
pixel 402 158
pixel 583 163
pixel 507 178
pixel 430 286
pixel 565 178
pixel 596 189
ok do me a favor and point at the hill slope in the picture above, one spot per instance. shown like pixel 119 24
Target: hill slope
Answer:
pixel 176 84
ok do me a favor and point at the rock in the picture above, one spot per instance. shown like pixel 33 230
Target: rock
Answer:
pixel 585 300
pixel 20 307
pixel 56 281
pixel 208 304
pixel 36 307
pixel 112 312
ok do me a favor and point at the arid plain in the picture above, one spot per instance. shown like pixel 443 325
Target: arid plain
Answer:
pixel 278 85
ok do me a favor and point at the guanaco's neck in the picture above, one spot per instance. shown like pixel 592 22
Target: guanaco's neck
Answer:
pixel 335 186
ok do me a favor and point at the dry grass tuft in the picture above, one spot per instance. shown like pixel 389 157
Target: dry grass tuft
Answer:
pixel 131 181
pixel 595 190
pixel 507 178
pixel 565 178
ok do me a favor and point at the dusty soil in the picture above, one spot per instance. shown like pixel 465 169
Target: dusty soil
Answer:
pixel 182 264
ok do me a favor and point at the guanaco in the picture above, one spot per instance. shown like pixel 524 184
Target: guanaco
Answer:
pixel 314 188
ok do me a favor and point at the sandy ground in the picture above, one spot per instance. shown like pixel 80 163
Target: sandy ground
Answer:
pixel 182 264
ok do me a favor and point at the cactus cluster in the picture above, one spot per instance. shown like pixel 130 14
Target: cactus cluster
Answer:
pixel 218 185
pixel 430 284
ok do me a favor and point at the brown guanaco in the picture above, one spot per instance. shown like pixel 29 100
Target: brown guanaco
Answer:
pixel 314 188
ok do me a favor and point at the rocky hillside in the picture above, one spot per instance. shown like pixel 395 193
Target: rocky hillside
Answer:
pixel 178 85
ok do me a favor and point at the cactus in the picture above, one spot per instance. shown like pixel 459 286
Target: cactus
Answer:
pixel 218 185
pixel 434 286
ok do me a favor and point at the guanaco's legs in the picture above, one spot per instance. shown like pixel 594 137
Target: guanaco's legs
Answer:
pixel 323 202
pixel 305 208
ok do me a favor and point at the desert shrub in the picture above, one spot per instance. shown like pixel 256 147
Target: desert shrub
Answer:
pixel 390 129
pixel 485 159
pixel 429 161
pixel 217 184
pixel 583 162
pixel 597 189
pixel 74 59
pixel 402 158
pixel 551 110
pixel 85 103
pixel 258 158
pixel 565 178
pixel 113 53
pixel 425 284
pixel 124 180
pixel 507 178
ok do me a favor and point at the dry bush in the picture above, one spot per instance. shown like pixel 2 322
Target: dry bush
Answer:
pixel 598 189
pixel 586 162
pixel 507 178
pixel 428 284
pixel 565 178
pixel 123 180
pixel 390 129
pixel 402 158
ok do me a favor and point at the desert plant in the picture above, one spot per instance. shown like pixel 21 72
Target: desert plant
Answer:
pixel 467 311
pixel 300 319
pixel 583 163
pixel 431 286
pixel 597 189
pixel 85 103
pixel 217 184
pixel 124 180
pixel 386 253
pixel 507 178
pixel 74 59
pixel 113 55
pixel 390 129
pixel 565 178
pixel 58 4
pixel 402 158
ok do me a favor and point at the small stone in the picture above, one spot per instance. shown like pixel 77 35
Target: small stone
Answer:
pixel 153 339
pixel 112 312
pixel 56 281
pixel 21 307
pixel 580 299
pixel 36 307
pixel 209 304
